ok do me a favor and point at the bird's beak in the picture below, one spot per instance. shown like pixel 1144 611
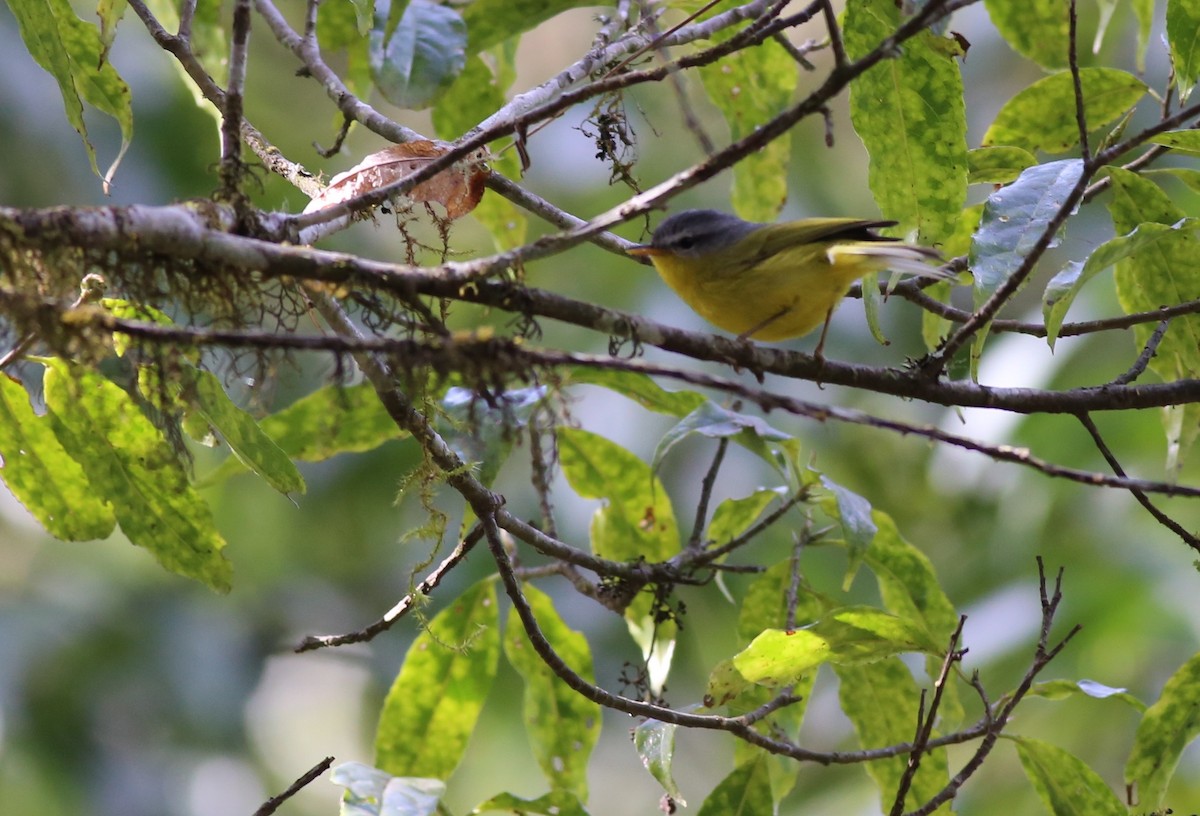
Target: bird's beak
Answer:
pixel 644 250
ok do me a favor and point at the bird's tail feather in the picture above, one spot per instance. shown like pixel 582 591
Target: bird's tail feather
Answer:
pixel 903 258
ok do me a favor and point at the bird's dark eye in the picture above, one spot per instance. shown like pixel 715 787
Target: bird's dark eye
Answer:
pixel 685 242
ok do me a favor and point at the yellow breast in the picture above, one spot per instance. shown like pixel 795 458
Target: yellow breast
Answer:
pixel 784 296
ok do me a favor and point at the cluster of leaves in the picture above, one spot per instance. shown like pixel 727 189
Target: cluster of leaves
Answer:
pixel 98 457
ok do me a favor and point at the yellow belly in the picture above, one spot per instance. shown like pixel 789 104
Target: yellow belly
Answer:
pixel 772 301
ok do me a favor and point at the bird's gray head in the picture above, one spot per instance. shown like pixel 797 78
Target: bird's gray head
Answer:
pixel 693 233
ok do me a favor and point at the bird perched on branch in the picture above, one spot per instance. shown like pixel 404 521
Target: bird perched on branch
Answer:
pixel 774 281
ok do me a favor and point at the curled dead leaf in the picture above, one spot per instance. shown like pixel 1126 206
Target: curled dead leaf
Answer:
pixel 458 188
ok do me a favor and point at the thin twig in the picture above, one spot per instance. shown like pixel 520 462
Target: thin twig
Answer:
pixel 840 60
pixel 1076 80
pixel 1143 360
pixel 271 805
pixel 695 540
pixel 541 472
pixel 996 720
pixel 427 585
pixel 926 719
pixel 231 121
pixel 1144 500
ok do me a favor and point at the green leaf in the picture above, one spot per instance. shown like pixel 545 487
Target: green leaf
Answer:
pixel 327 422
pixel 1037 29
pixel 1063 689
pixel 42 475
pixel 422 57
pixel 847 636
pixel 909 113
pixel 853 513
pixel 598 468
pixel 1066 786
pixel 734 516
pixel 1183 35
pixel 340 23
pixel 554 803
pixel 72 52
pixel 1164 273
pixel 128 310
pixel 908 586
pixel 715 422
pixel 765 604
pixel 1014 218
pixel 999 164
pixel 725 685
pixel 562 724
pixel 881 700
pixel 749 87
pixel 432 706
pixel 110 13
pixel 638 387
pixel 131 466
pixel 654 742
pixel 372 792
pixel 1042 116
pixel 747 790
pixel 1144 11
pixel 490 22
pixel 253 447
pixel 1061 290
pixel 636 522
pixel 1185 141
pixel 1167 727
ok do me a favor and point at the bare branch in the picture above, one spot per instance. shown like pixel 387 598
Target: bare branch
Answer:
pixel 271 805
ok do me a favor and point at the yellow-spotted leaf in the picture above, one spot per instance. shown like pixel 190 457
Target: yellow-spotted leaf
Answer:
pixel 129 464
pixel 1042 116
pixel 435 700
pixel 997 164
pixel 639 388
pixel 735 516
pixel 882 701
pixel 1164 273
pixel 43 476
pixel 848 636
pixel 1167 728
pixel 909 588
pixel 909 113
pixel 1037 29
pixel 749 87
pixel 1061 290
pixel 327 422
pixel 747 790
pixel 1183 35
pixel 1065 785
pixel 73 52
pixel 252 446
pixel 562 724
pixel 636 522
pixel 554 803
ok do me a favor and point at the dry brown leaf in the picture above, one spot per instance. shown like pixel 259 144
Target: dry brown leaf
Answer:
pixel 458 188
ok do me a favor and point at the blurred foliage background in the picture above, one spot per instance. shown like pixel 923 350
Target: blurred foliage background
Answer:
pixel 126 691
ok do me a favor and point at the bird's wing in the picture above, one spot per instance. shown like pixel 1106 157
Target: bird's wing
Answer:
pixel 775 238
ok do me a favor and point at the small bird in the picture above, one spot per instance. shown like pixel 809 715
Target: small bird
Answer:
pixel 774 281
